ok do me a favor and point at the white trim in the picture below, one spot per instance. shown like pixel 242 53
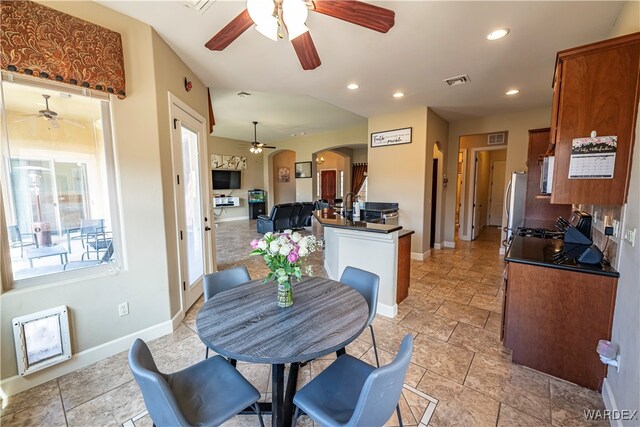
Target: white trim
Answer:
pixel 610 402
pixel 390 311
pixel 328 270
pixel 502 250
pixel 437 246
pixel 177 319
pixel 420 256
pixel 450 245
pixel 16 384
pixel 233 218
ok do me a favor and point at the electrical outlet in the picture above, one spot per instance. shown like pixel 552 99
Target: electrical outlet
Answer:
pixel 123 309
pixel 630 235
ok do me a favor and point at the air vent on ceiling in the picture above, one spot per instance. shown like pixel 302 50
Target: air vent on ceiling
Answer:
pixel 198 5
pixel 496 138
pixel 243 94
pixel 457 80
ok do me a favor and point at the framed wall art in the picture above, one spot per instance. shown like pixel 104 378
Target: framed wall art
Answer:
pixel 303 170
pixel 391 137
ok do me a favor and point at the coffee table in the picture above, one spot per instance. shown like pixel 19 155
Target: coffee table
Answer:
pixel 47 251
pixel 245 323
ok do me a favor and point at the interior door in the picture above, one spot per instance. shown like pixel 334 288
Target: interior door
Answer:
pixel 434 202
pixel 328 180
pixel 189 163
pixel 477 204
pixel 496 200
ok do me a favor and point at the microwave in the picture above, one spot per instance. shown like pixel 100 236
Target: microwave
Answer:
pixel 546 175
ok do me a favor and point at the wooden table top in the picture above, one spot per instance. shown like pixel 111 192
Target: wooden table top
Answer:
pixel 245 323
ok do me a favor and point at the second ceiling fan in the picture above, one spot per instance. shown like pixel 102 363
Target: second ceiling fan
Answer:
pixel 272 16
pixel 256 147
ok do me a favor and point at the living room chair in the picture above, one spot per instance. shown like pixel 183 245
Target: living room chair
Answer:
pixel 351 392
pixel 304 217
pixel 16 239
pixel 279 219
pixel 205 394
pixel 221 281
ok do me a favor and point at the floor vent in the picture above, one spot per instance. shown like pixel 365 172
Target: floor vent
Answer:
pixel 457 80
pixel 496 138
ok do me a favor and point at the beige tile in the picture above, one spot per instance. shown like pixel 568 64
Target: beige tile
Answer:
pixel 112 408
pixel 257 374
pixel 463 313
pixel 403 310
pixel 511 417
pixel 46 412
pixel 493 279
pixel 569 401
pixel 423 301
pixel 523 389
pixel 429 324
pixel 458 405
pixel 478 288
pixel 494 323
pixel 414 372
pixel 469 275
pixel 479 340
pixel 451 294
pixel 179 334
pixel 488 302
pixel 29 398
pixel 388 334
pixel 442 358
pixel 181 355
pixel 408 419
pixel 145 421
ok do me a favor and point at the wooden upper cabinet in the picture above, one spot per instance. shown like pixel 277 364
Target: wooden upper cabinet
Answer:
pixel 595 89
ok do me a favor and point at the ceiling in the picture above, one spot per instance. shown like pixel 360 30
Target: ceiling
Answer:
pixel 429 42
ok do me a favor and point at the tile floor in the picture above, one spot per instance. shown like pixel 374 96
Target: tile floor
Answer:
pixel 460 374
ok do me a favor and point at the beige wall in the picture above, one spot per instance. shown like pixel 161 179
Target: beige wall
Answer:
pixel 480 140
pixel 339 161
pixel 252 177
pixel 359 155
pixel 141 137
pixel 518 126
pixel 397 173
pixel 284 192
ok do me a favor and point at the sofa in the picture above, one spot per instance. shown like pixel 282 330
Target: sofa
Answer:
pixel 293 216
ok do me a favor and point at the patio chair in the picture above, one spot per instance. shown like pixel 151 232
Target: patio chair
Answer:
pixel 351 392
pixel 108 254
pixel 16 239
pixel 87 229
pixel 205 394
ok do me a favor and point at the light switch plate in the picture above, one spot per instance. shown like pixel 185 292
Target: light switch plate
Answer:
pixel 123 309
pixel 630 235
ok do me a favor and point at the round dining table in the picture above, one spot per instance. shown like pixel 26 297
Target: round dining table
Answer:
pixel 245 323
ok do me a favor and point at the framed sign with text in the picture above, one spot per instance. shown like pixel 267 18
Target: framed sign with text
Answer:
pixel 391 137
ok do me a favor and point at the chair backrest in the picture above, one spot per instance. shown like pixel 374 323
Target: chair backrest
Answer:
pixel 295 216
pixel 215 283
pixel 322 205
pixel 282 216
pixel 382 389
pixel 305 214
pixel 14 234
pixel 91 225
pixel 158 397
pixel 366 283
pixel 108 253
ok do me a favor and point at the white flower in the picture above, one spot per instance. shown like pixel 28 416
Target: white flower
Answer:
pixel 296 237
pixel 287 231
pixel 303 252
pixel 274 247
pixel 283 240
pixel 304 242
pixel 267 235
pixel 285 249
pixel 262 245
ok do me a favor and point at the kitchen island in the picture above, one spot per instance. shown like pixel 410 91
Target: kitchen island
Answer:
pixel 374 247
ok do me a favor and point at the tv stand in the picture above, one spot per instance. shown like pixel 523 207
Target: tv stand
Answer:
pixel 226 202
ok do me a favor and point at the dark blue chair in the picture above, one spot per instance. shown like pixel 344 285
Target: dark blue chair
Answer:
pixel 221 281
pixel 205 394
pixel 351 392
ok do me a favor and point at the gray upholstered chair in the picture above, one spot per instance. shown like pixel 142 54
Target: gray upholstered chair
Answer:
pixel 221 281
pixel 351 392
pixel 205 394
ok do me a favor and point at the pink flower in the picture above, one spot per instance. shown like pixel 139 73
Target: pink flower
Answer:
pixel 293 257
pixel 254 243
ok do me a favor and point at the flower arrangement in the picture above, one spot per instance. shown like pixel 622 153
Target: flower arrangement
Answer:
pixel 283 253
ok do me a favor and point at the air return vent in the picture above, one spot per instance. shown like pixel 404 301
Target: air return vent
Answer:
pixel 457 80
pixel 496 138
pixel 198 5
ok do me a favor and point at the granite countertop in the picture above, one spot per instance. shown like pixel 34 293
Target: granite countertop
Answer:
pixel 332 219
pixel 536 251
pixel 405 232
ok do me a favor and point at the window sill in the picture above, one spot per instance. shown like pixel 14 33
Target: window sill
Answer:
pixel 65 278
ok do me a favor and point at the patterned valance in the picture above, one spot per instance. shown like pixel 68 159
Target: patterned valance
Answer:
pixel 43 42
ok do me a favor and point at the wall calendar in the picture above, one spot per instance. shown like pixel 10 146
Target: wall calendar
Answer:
pixel 593 157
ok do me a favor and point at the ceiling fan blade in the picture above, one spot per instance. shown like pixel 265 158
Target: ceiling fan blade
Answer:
pixel 230 32
pixel 356 12
pixel 306 51
pixel 268 146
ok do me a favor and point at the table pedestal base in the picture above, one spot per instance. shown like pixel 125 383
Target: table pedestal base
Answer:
pixel 281 406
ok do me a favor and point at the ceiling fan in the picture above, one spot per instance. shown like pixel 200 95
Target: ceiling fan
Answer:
pixel 50 115
pixel 256 147
pixel 270 16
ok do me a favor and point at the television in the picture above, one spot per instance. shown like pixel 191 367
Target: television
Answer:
pixel 226 180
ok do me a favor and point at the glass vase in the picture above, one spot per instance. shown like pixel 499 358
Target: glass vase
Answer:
pixel 285 295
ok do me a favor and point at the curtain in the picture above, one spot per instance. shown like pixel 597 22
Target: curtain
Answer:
pixel 43 42
pixel 358 175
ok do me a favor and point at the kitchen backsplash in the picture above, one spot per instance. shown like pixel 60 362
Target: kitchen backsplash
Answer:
pixel 600 212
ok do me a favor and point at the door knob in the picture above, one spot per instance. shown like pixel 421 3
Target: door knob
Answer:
pixel 207 228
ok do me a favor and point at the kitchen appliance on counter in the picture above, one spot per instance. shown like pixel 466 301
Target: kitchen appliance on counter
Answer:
pixel 514 202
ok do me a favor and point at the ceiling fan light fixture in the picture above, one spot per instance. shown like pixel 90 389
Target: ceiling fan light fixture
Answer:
pixel 261 13
pixel 498 34
pixel 294 15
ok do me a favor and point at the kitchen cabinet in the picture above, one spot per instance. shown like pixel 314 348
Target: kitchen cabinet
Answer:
pixel 595 89
pixel 404 265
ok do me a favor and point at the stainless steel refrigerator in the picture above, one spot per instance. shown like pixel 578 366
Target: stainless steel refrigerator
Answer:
pixel 515 201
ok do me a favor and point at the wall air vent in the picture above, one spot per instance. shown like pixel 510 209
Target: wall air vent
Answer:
pixel 457 80
pixel 243 94
pixel 198 5
pixel 496 138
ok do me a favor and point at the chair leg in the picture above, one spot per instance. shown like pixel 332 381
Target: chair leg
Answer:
pixel 340 352
pixel 294 420
pixel 206 353
pixel 375 348
pixel 256 408
pixel 233 362
pixel 399 416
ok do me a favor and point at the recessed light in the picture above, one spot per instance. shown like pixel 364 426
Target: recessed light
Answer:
pixel 301 133
pixel 512 92
pixel 353 86
pixel 398 95
pixel 498 34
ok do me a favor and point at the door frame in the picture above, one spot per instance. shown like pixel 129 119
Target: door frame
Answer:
pixel 493 163
pixel 469 181
pixel 208 238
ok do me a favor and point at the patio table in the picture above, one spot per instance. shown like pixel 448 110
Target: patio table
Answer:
pixel 46 251
pixel 245 323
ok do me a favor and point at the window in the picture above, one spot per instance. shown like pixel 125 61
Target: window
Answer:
pixel 318 185
pixel 341 189
pixel 362 194
pixel 57 178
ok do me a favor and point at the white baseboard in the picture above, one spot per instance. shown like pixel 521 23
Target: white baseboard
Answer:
pixel 18 383
pixel 177 319
pixel 450 245
pixel 233 218
pixel 328 271
pixel 610 403
pixel 387 310
pixel 437 246
pixel 502 250
pixel 420 256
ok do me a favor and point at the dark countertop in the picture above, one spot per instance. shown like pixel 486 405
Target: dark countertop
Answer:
pixel 536 251
pixel 334 220
pixel 405 232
